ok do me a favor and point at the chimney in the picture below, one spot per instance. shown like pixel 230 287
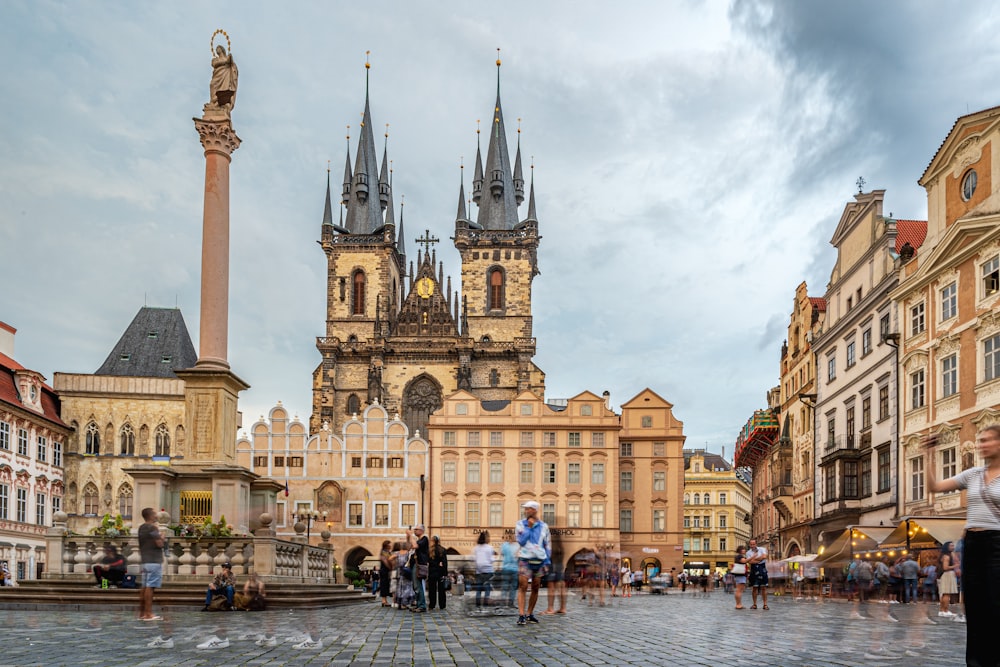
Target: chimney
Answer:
pixel 7 339
pixel 607 399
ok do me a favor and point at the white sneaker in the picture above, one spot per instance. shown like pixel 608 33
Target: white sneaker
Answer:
pixel 267 641
pixel 309 644
pixel 161 642
pixel 959 619
pixel 214 642
pixel 945 613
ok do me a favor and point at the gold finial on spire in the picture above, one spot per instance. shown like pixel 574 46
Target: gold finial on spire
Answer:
pixel 362 119
pixel 477 126
pixel 519 126
pixel 368 64
pixel 461 162
pixel 328 166
pixel 387 130
pixel 498 56
pixel 348 132
pixel 390 166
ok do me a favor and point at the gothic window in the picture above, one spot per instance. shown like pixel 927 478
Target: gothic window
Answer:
pixel 420 398
pixel 162 437
pixel 127 437
pixel 90 499
pixel 125 500
pixel 93 439
pixel 358 293
pixel 496 283
pixel 353 404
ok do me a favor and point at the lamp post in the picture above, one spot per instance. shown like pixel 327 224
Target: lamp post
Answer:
pixel 307 517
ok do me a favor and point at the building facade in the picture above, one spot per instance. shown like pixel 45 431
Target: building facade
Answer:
pixel 398 333
pixel 33 438
pixel 949 300
pixel 364 485
pixel 130 412
pixel 717 509
pixel 798 396
pixel 856 358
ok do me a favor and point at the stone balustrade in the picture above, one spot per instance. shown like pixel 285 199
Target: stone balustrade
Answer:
pixel 72 556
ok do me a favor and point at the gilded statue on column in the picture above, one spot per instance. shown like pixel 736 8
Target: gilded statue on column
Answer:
pixel 225 77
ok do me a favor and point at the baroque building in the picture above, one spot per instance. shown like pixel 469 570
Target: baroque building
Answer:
pixel 717 508
pixel 396 331
pixel 856 358
pixel 949 301
pixel 795 491
pixel 606 483
pixel 32 450
pixel 363 485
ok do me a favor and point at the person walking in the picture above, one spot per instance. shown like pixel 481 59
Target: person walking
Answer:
pixel 739 574
pixel 385 572
pixel 556 579
pixel 981 547
pixel 437 573
pixel 483 554
pixel 508 558
pixel 421 546
pixel 948 581
pixel 626 579
pixel 534 559
pixel 757 564
pixel 909 570
pixel 151 552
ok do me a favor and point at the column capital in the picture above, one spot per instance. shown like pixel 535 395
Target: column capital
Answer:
pixel 217 136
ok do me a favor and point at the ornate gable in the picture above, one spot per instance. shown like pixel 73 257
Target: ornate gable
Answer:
pixel 425 310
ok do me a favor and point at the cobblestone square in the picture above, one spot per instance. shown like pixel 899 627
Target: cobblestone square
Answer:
pixel 644 630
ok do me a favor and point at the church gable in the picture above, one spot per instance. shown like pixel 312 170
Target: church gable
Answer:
pixel 425 310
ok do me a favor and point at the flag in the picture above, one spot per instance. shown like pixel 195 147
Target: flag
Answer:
pixel 286 487
pixel 367 498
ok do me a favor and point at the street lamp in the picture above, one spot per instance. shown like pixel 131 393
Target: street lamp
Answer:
pixel 307 517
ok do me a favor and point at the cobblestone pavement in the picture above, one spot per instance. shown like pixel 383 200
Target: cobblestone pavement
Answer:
pixel 644 630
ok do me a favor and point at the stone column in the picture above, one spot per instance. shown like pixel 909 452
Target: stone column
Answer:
pixel 219 141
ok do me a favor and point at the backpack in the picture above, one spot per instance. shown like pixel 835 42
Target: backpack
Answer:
pixel 218 603
pixel 863 572
pixel 128 581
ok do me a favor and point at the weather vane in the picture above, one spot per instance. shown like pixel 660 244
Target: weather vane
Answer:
pixel 861 184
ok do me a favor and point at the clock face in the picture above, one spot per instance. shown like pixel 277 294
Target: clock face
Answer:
pixel 425 287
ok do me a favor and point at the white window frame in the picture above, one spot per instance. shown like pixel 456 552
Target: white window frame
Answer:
pixel 449 472
pixel 949 377
pixel 496 472
pixel 360 514
pixel 404 509
pixel 473 472
pixel 597 476
pixel 918 321
pixel 527 472
pixel 574 473
pixel 991 358
pixel 597 515
pixel 917 480
pixel 388 514
pixel 918 389
pixel 573 515
pixel 949 301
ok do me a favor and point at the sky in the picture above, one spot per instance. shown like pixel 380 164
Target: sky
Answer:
pixel 692 160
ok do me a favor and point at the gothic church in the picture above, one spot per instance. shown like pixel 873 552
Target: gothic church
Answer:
pixel 397 333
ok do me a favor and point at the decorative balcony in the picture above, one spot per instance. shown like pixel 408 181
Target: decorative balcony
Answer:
pixel 756 438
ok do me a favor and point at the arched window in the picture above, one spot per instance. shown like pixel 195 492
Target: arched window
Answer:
pixel 162 438
pixel 90 499
pixel 93 439
pixel 353 404
pixel 125 500
pixel 127 437
pixel 687 499
pixel 358 293
pixel 697 499
pixel 496 289
pixel 706 499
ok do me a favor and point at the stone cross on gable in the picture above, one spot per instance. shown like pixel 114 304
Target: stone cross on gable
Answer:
pixel 427 240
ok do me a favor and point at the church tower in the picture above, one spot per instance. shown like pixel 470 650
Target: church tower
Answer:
pixel 396 332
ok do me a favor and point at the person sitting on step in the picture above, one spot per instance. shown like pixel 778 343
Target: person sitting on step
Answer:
pixel 223 584
pixel 112 567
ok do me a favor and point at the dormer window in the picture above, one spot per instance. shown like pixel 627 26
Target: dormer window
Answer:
pixel 165 359
pixel 152 334
pixel 125 356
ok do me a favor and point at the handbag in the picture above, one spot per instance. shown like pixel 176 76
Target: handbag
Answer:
pixel 446 583
pixel 421 571
pixel 739 568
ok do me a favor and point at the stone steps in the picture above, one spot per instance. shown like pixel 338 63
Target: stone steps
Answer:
pixel 79 595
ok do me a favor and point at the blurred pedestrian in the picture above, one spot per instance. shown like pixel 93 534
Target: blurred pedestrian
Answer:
pixel 739 573
pixel 437 575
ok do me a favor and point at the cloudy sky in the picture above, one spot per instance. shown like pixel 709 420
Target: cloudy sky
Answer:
pixel 692 160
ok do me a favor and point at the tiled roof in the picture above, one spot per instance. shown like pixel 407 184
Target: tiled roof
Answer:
pixel 910 231
pixel 494 406
pixel 712 461
pixel 155 344
pixel 9 393
pixel 818 302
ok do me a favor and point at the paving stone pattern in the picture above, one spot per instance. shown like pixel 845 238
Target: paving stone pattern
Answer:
pixel 689 630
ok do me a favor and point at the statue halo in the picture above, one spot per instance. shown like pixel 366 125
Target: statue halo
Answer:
pixel 211 45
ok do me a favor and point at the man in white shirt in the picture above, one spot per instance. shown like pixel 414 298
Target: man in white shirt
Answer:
pixel 757 564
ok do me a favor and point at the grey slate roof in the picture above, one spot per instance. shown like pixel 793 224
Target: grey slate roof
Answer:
pixel 154 345
pixel 499 212
pixel 493 406
pixel 712 461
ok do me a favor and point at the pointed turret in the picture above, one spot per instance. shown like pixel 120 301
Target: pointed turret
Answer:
pixel 401 237
pixel 498 210
pixel 477 175
pixel 383 179
pixel 326 231
pixel 364 207
pixel 518 177
pixel 531 200
pixel 462 216
pixel 346 193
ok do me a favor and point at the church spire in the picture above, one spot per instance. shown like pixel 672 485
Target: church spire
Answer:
pixel 498 210
pixel 364 208
pixel 531 198
pixel 389 213
pixel 400 236
pixel 462 216
pixel 383 179
pixel 477 175
pixel 328 207
pixel 518 176
pixel 346 194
